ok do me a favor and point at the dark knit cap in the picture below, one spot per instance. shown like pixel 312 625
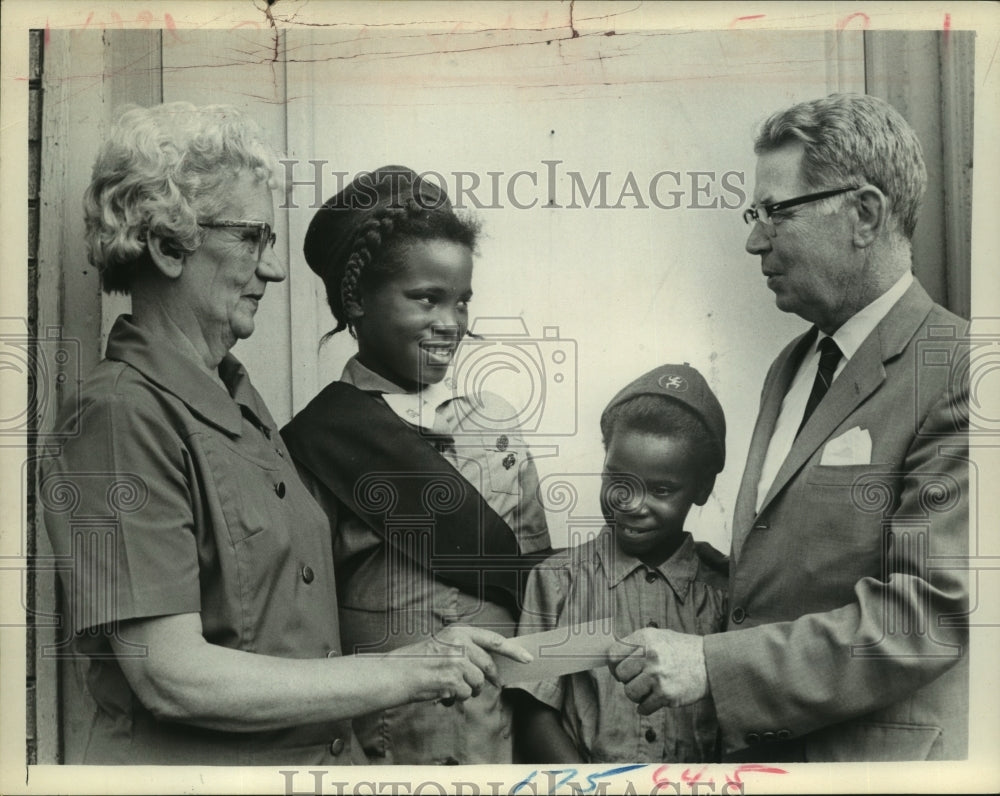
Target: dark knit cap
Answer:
pixel 684 384
pixel 330 237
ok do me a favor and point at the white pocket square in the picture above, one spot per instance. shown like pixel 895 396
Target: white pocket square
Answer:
pixel 854 446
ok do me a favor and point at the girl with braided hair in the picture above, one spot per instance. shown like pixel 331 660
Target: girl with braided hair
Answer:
pixel 434 505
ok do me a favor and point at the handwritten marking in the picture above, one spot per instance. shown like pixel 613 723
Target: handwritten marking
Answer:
pixel 753 768
pixel 737 21
pixel 661 777
pixel 687 777
pixel 865 20
pixel 592 782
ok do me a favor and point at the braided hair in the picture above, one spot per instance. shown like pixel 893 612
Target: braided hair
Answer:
pixel 359 238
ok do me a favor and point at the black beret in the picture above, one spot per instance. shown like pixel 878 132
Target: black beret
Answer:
pixel 684 384
pixel 330 237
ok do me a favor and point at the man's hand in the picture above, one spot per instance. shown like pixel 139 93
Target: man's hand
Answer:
pixel 660 668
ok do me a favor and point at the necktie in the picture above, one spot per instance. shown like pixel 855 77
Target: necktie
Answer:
pixel 829 357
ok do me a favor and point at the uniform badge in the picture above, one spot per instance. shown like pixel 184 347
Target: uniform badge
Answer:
pixel 502 442
pixel 675 383
pixel 509 461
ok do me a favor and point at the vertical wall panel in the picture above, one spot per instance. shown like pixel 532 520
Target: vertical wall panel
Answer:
pixel 957 56
pixel 927 76
pixel 245 68
pixel 87 75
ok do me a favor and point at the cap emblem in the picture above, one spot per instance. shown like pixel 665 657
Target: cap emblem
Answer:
pixel 675 383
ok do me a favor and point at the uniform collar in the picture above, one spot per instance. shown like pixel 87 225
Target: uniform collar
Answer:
pixel 678 570
pixel 417 408
pixel 173 371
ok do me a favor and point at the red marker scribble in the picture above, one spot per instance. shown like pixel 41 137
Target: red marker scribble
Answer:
pixel 865 20
pixel 947 24
pixel 47 35
pixel 660 776
pixel 687 777
pixel 171 26
pixel 752 768
pixel 661 779
pixel 749 18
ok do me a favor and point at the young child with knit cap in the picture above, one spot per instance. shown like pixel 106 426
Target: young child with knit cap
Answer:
pixel 664 440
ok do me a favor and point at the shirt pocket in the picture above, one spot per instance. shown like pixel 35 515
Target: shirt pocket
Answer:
pixel 246 490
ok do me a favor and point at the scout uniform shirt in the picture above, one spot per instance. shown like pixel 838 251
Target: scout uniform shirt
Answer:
pixel 597 581
pixel 176 497
pixel 387 600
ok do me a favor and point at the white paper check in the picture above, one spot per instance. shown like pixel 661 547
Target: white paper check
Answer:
pixel 560 651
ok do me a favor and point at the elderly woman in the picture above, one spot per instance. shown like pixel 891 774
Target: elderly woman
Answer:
pixel 205 599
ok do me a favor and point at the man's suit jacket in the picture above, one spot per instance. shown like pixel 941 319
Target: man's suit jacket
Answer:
pixel 848 634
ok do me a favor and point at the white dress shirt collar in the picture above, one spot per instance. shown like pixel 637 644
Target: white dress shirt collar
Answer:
pixel 855 330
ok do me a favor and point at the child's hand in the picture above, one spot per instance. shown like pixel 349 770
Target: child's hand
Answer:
pixel 660 668
pixel 456 663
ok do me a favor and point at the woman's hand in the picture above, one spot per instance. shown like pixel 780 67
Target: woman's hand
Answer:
pixel 181 677
pixel 454 664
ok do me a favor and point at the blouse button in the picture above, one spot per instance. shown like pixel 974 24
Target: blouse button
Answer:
pixel 650 577
pixel 652 623
pixel 307 574
pixel 650 735
pixel 332 654
pixel 739 615
pixel 279 489
pixel 337 746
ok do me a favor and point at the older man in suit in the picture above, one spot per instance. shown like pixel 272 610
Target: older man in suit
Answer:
pixel 847 637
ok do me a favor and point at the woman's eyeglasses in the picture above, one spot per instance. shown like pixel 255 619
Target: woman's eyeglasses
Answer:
pixel 265 237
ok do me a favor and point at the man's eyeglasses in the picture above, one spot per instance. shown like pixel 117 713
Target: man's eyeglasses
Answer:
pixel 765 213
pixel 265 237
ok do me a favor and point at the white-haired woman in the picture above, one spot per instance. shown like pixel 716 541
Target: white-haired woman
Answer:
pixel 205 597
